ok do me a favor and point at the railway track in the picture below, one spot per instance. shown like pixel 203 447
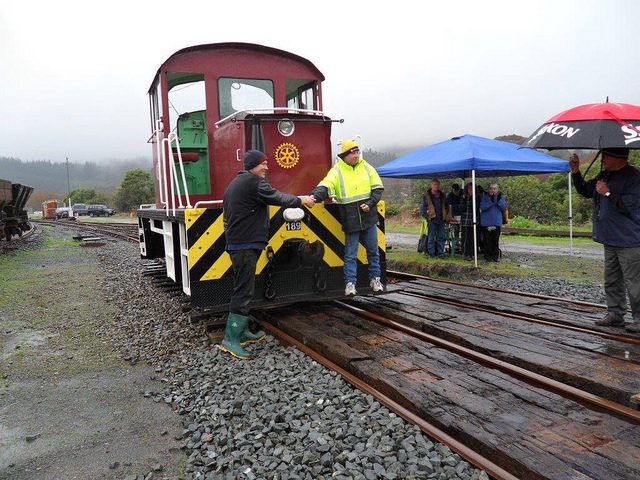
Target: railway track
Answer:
pixel 123 231
pixel 457 294
pixel 520 385
pixel 538 400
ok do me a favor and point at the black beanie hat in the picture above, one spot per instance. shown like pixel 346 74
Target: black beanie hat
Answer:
pixel 253 158
pixel 616 152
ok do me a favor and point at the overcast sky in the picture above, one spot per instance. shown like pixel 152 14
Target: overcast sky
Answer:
pixel 74 75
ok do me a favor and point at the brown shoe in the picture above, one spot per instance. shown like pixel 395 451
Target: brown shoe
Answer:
pixel 633 326
pixel 610 320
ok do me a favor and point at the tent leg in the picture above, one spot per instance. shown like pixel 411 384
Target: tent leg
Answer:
pixel 570 216
pixel 475 228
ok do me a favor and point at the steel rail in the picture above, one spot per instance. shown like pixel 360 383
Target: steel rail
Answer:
pixel 473 457
pixel 97 228
pixel 527 318
pixel 404 275
pixel 593 401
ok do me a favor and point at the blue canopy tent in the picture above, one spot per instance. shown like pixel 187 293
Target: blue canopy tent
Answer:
pixel 471 156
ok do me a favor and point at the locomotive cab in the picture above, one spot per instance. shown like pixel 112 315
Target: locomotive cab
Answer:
pixel 210 104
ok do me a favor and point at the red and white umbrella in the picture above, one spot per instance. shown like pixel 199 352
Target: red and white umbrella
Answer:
pixel 594 126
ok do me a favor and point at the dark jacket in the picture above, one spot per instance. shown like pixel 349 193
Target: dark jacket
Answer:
pixel 466 214
pixel 246 216
pixel 616 218
pixel 455 203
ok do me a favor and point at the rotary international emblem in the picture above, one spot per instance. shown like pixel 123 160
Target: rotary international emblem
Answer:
pixel 287 155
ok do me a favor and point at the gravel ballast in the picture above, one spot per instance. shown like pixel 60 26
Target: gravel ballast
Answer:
pixel 279 416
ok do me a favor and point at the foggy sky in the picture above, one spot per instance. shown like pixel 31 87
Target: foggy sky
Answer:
pixel 74 75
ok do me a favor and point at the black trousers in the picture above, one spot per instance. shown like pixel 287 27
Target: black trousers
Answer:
pixel 244 279
pixel 491 247
pixel 467 241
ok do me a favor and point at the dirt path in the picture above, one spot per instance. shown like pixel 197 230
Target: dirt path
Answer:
pixel 70 407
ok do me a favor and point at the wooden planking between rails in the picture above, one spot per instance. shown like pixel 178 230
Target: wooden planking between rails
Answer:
pixel 528 431
pixel 549 309
pixel 600 366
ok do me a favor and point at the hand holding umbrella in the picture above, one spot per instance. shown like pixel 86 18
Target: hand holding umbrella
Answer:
pixel 574 163
pixel 601 187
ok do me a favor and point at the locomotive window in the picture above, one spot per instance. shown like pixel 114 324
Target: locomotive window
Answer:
pixel 244 93
pixel 186 97
pixel 306 99
pixel 300 94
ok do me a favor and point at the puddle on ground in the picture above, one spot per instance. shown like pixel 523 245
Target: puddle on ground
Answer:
pixel 12 343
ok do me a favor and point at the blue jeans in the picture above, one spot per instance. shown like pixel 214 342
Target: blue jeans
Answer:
pixel 435 239
pixel 369 238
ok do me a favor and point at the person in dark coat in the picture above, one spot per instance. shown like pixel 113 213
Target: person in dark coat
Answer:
pixel 466 221
pixel 615 193
pixel 246 226
pixel 454 201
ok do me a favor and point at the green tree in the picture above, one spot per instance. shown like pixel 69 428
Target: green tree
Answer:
pixel 88 196
pixel 82 195
pixel 135 189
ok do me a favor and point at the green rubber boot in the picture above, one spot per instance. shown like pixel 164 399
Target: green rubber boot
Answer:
pixel 236 325
pixel 248 336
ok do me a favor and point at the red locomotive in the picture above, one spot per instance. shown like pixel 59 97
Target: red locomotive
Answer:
pixel 209 104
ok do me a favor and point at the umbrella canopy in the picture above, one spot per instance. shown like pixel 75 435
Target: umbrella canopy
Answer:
pixel 456 158
pixel 594 126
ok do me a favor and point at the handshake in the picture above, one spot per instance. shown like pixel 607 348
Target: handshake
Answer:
pixel 308 200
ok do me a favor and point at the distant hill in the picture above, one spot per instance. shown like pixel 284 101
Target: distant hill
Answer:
pixel 44 175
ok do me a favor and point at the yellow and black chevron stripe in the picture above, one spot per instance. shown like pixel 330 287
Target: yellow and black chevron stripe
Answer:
pixel 208 259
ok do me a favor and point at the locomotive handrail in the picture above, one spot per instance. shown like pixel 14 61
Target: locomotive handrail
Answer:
pixel 268 110
pixel 207 202
pixel 170 180
pixel 174 135
pixel 161 158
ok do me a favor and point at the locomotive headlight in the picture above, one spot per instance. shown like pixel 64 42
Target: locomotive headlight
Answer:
pixel 286 127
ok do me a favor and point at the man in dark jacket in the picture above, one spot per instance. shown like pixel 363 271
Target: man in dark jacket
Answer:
pixel 616 224
pixel 246 226
pixel 357 189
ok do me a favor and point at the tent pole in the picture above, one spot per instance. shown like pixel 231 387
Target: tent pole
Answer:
pixel 475 232
pixel 570 216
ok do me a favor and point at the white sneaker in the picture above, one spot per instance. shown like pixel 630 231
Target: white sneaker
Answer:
pixel 376 285
pixel 350 289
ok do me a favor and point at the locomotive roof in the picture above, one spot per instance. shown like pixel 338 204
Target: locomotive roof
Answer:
pixel 242 46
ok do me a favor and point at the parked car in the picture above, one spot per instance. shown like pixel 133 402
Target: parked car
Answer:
pixel 100 211
pixel 80 209
pixel 62 212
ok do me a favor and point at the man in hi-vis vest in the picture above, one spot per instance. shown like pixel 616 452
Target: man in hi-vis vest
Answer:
pixel 357 189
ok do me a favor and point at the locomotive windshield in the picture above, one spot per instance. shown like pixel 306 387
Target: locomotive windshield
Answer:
pixel 300 94
pixel 244 93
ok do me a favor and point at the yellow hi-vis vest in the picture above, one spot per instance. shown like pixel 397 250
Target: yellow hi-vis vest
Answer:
pixel 351 184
